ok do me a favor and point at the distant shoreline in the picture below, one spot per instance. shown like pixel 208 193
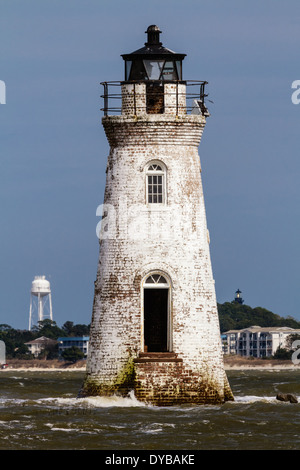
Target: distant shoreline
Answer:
pixel 249 363
pixel 54 365
pixel 230 363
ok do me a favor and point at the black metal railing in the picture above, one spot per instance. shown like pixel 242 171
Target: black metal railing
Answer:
pixel 195 90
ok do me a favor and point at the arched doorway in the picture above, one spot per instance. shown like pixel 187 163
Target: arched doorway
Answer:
pixel 156 299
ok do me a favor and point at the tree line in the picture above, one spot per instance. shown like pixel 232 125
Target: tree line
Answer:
pixel 15 339
pixel 232 316
pixel 235 316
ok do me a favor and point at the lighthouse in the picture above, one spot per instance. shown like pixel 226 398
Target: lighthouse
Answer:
pixel 155 326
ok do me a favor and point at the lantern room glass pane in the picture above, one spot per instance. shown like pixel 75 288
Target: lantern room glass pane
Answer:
pixel 128 64
pixel 169 71
pixel 179 69
pixel 153 68
pixel 138 71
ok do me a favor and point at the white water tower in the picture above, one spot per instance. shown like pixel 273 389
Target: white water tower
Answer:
pixel 40 300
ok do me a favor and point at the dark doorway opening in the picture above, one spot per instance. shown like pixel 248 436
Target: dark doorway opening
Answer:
pixel 154 98
pixel 156 320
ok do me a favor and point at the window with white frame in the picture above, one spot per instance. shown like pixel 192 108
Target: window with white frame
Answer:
pixel 156 280
pixel 156 183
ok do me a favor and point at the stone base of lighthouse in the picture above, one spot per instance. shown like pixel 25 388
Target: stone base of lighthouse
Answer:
pixel 162 379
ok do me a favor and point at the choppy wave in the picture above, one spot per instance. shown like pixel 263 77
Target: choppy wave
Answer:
pixel 93 402
pixel 116 401
pixel 46 414
pixel 254 398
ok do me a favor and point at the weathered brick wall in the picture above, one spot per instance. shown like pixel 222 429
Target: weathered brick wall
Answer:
pixel 170 383
pixel 137 239
pixel 134 99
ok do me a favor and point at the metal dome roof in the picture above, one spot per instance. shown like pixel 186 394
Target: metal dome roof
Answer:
pixel 153 47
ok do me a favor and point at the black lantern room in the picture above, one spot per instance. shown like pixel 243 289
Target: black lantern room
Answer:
pixel 154 62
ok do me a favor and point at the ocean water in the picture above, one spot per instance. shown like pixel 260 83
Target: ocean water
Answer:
pixel 41 411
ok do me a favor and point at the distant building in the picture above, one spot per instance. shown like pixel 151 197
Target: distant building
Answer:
pixel 256 341
pixel 36 346
pixel 81 342
pixel 238 299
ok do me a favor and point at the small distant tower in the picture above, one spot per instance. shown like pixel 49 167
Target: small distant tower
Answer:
pixel 155 325
pixel 238 299
pixel 40 300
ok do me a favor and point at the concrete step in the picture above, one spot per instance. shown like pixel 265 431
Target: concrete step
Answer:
pixel 157 357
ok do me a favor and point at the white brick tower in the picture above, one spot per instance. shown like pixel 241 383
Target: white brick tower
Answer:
pixel 155 326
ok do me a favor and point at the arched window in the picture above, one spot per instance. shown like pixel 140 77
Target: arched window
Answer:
pixel 157 281
pixel 156 183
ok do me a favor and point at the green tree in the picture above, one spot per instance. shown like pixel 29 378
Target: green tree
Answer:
pixel 75 330
pixel 81 330
pixel 234 316
pixel 72 354
pixel 50 351
pixel 5 327
pixel 22 352
pixel 14 340
pixel 290 339
pixel 48 328
pixel 68 328
pixel 282 353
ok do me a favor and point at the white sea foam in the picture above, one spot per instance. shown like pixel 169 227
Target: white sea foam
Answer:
pixel 87 402
pixel 106 402
pixel 94 402
pixel 63 429
pixel 12 401
pixel 122 402
pixel 155 428
pixel 69 429
pixel 151 431
pixel 254 398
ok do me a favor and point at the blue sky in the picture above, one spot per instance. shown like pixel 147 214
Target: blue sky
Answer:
pixel 53 151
